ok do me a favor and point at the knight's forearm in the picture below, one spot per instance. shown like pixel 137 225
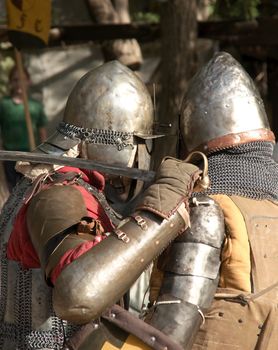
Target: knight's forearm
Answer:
pixel 101 276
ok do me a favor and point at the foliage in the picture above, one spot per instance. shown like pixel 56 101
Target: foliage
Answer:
pixel 6 63
pixel 146 17
pixel 236 9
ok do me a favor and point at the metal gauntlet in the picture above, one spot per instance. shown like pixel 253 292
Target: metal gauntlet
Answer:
pixel 97 279
pixel 191 274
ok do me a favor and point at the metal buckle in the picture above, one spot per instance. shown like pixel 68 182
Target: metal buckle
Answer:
pixel 141 222
pixel 122 235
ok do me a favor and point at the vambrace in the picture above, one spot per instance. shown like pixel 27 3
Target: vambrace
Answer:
pixel 191 273
pixel 99 278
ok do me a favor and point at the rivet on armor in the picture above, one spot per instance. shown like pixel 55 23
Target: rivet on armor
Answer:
pixel 153 339
pixel 156 242
pixel 113 315
pixel 198 202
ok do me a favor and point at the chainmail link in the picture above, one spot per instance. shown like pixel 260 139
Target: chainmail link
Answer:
pixel 247 170
pixel 23 293
pixel 119 139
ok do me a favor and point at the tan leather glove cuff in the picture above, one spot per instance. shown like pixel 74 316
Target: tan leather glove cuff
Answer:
pixel 174 184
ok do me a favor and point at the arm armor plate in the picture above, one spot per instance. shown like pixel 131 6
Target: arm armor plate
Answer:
pixel 98 278
pixel 191 273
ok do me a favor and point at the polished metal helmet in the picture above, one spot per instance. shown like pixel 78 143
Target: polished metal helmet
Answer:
pixel 222 108
pixel 110 112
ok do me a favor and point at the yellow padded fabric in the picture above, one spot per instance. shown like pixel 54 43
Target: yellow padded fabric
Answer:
pixel 236 262
pixel 108 346
pixel 155 282
pixel 131 343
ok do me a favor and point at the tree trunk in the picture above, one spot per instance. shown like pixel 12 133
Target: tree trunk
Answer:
pixel 122 9
pixel 102 11
pixel 179 36
pixel 128 51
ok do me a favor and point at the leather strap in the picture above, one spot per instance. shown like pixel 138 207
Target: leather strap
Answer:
pixel 228 141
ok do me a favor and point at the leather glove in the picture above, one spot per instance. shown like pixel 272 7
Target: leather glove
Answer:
pixel 174 183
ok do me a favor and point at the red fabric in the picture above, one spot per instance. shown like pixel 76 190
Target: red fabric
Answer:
pixel 20 247
pixel 70 256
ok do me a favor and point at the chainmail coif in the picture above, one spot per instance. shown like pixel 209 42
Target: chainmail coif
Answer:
pixel 247 170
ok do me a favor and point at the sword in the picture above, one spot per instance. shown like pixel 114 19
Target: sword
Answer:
pixel 134 173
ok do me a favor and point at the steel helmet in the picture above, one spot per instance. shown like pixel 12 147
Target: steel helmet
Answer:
pixel 222 108
pixel 110 112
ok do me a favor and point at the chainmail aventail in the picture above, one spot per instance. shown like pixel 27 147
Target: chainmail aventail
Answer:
pixel 248 170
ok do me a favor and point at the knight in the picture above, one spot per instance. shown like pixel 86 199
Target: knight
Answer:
pixel 66 255
pixel 216 287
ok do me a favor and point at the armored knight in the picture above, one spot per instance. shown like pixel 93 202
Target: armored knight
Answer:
pixel 65 255
pixel 219 288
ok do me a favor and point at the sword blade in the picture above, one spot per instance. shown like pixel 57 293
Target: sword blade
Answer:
pixel 134 173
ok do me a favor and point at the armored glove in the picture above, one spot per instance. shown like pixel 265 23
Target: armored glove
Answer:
pixel 174 183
